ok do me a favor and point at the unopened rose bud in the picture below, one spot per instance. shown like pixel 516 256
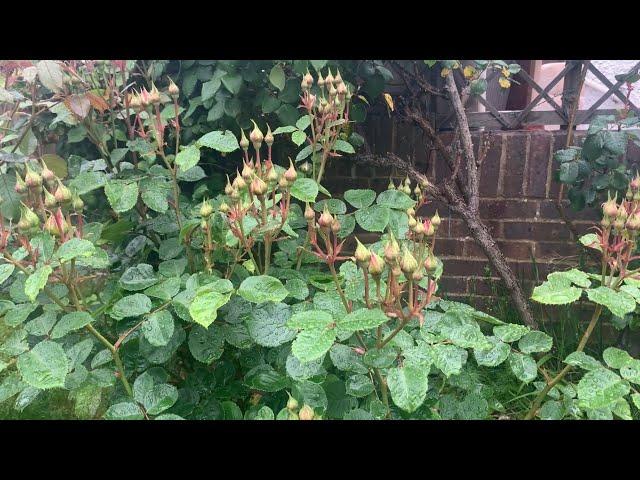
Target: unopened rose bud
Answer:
pixel 292 403
pixel 268 138
pixel 62 194
pixel 258 186
pixel 49 200
pixel 338 77
pixel 306 413
pixel 47 175
pixel 605 222
pixel 408 263
pixel 406 189
pixel 238 182
pixel 376 265
pixel 272 175
pixel 419 229
pixel 326 219
pixel 247 171
pixel 635 183
pixel 429 230
pixel 417 192
pixel 417 275
pixel 618 224
pixel 224 208
pixel 308 79
pixel 145 100
pixel 332 91
pixel 256 136
pixel 320 80
pixel 228 187
pixel 629 194
pixel 391 185
pixel 282 183
pixel 412 222
pixel 436 220
pixel 174 91
pixel 305 167
pixel 206 210
pixel 362 254
pixel 341 89
pixel 154 95
pixel 610 207
pixel 244 141
pixel 335 226
pixel 633 222
pixel 309 214
pixel 290 174
pixel 51 226
pixel 391 250
pixel 430 264
pixel 77 203
pixel 329 79
pixel 20 187
pixel 32 179
pixel 235 194
pixel 29 217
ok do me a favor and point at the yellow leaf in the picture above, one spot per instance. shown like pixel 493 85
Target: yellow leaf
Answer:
pixel 389 101
pixel 445 72
pixel 504 83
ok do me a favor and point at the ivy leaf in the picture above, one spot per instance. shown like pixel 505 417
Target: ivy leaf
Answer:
pixel 37 281
pixel 601 388
pixel 360 198
pixel 535 341
pixel 262 288
pixel 70 322
pixel 408 386
pixel 122 195
pixel 362 319
pixel 225 142
pixel 44 366
pixel 276 77
pixel 619 303
pixel 310 319
pixel 523 367
pixel 373 218
pixel 305 189
pixel 312 344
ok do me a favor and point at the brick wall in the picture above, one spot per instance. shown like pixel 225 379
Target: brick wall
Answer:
pixel 517 190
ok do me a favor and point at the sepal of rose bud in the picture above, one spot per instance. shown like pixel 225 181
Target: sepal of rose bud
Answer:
pixel 436 220
pixel 256 136
pixel 292 403
pixel 282 183
pixel 49 199
pixel 29 216
pixel 419 229
pixel 247 171
pixel 406 189
pixel 391 185
pixel 320 80
pixel 335 226
pixel 329 78
pixel 290 174
pixel 629 194
pixel 338 77
pixel 224 208
pixel 272 175
pixel 326 219
pixel 268 138
pixel 362 254
pixel 206 210
pixel 62 194
pixel 376 264
pixel 412 222
pixel 173 89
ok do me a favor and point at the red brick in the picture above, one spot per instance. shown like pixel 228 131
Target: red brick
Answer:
pixel 535 231
pixel 514 166
pixel 449 246
pixel 555 249
pixel 539 153
pixel 548 209
pixel 448 285
pixel 515 249
pixel 465 266
pixel 490 169
pixel 498 208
